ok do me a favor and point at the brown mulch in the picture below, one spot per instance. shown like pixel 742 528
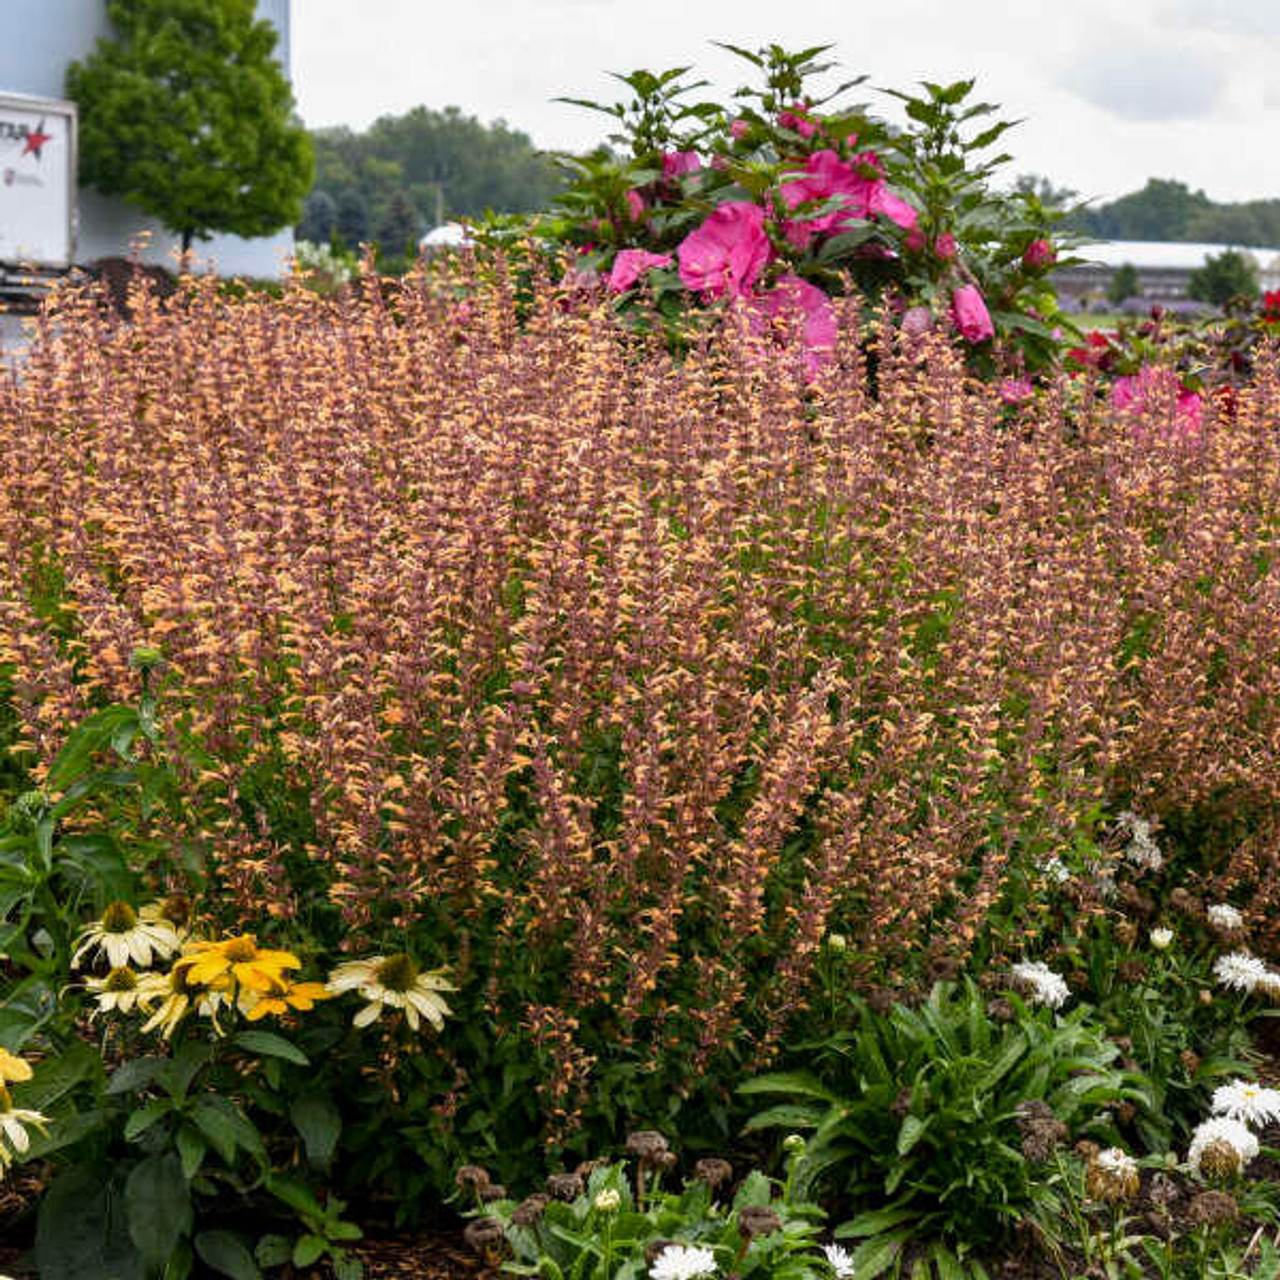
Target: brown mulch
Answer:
pixel 443 1256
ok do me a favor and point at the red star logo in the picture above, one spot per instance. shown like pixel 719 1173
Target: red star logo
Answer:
pixel 36 140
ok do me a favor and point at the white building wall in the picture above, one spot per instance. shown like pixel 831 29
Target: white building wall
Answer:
pixel 57 32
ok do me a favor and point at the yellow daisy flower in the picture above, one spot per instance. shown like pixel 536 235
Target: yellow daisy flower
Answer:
pixel 125 939
pixel 239 958
pixel 394 982
pixel 12 1067
pixel 282 997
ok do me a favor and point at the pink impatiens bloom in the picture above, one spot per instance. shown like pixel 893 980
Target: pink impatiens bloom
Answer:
pixel 797 301
pixel 674 163
pixel 727 252
pixel 825 176
pixel 971 315
pixel 631 264
pixel 895 208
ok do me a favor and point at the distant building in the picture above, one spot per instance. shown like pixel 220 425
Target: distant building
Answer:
pixel 43 36
pixel 1163 267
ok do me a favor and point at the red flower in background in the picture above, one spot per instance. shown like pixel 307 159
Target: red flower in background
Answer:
pixel 1271 306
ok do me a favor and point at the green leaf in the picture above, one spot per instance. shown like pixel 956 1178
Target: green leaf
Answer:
pixel 307 1250
pixel 317 1120
pixel 272 1046
pixel 158 1203
pixel 800 1082
pixel 273 1251
pixel 913 1129
pixel 949 1266
pixel 787 1115
pixel 81 1232
pixel 191 1148
pixel 874 1257
pixel 227 1129
pixel 136 1074
pixel 145 1116
pixel 874 1222
pixel 228 1254
pixel 57 1078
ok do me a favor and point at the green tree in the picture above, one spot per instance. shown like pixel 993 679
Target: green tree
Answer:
pixel 1226 275
pixel 188 115
pixel 1124 284
pixel 353 218
pixel 319 218
pixel 399 226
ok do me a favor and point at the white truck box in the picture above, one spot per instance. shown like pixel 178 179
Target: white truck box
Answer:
pixel 37 185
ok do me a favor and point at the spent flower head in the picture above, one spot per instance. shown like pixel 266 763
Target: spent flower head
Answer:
pixel 1220 1148
pixel 1039 984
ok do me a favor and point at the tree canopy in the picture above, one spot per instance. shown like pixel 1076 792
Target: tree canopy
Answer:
pixel 187 114
pixel 442 163
pixel 1169 210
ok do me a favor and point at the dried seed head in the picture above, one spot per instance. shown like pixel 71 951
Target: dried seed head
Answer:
pixel 482 1234
pixel 646 1145
pixel 565 1186
pixel 494 1191
pixel 654 1250
pixel 1213 1209
pixel 1000 1010
pixel 713 1171
pixel 530 1209
pixel 1111 1176
pixel 1086 1150
pixel 758 1220
pixel 471 1177
pixel 1220 1159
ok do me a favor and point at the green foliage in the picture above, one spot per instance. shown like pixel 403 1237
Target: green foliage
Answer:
pixel 187 114
pixel 915 1114
pixel 1224 276
pixel 1123 284
pixel 446 164
pixel 612 1231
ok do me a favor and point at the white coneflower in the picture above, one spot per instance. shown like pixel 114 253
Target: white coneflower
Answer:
pixel 14 1122
pixel 1040 984
pixel 840 1261
pixel 1225 918
pixel 1142 849
pixel 126 939
pixel 1221 1147
pixel 1239 970
pixel 394 982
pixel 120 991
pixel 683 1262
pixel 1161 938
pixel 1250 1104
pixel 1112 1176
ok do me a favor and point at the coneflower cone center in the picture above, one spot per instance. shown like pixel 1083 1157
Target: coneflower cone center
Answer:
pixel 242 949
pixel 119 917
pixel 121 980
pixel 397 973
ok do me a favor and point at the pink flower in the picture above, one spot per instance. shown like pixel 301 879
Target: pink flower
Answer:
pixel 895 208
pixel 971 315
pixel 674 163
pixel 727 252
pixel 1016 390
pixel 1136 391
pixel 739 129
pixel 719 163
pixel 915 240
pixel 796 118
pixel 797 301
pixel 635 204
pixel 825 175
pixel 631 264
pixel 945 246
pixel 1039 254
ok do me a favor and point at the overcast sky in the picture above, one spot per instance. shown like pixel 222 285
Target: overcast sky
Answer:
pixel 1112 91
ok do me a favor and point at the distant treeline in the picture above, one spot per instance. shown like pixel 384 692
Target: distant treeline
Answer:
pixel 1169 210
pixel 406 174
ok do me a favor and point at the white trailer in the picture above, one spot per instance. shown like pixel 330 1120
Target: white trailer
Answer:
pixel 37 190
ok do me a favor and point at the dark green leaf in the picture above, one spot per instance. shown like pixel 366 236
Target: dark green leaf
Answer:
pixel 227 1253
pixel 158 1202
pixel 271 1045
pixel 307 1250
pixel 317 1120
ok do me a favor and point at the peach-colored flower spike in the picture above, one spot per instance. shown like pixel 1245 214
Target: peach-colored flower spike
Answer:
pixel 672 669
